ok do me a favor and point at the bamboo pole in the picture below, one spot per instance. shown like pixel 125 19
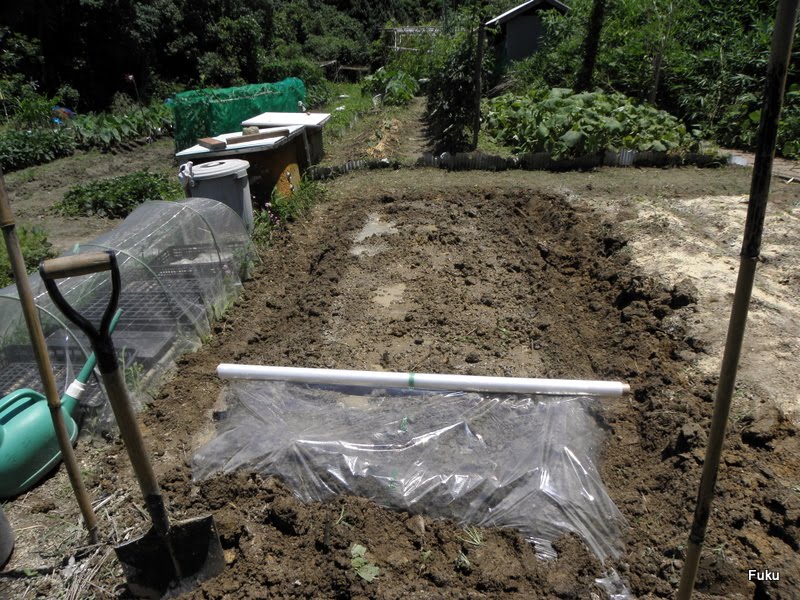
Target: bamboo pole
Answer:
pixel 43 361
pixel 476 120
pixel 782 38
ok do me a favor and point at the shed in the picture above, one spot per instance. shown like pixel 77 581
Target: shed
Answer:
pixel 521 29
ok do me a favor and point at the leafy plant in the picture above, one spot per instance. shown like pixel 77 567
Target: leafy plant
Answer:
pixel 35 248
pixel 116 197
pixel 451 94
pixel 462 562
pixel 368 571
pixel 20 149
pixel 397 87
pixel 566 124
pixel 105 131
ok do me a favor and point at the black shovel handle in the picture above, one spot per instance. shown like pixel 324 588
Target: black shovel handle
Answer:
pixel 85 264
pixel 113 379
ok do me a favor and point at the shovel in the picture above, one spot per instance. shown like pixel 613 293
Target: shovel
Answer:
pixel 170 558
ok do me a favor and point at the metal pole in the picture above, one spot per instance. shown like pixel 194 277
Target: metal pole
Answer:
pixel 751 247
pixel 43 361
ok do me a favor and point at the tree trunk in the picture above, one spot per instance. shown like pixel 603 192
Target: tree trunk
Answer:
pixel 657 62
pixel 590 45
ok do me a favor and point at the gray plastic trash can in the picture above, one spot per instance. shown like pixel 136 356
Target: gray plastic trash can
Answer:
pixel 221 180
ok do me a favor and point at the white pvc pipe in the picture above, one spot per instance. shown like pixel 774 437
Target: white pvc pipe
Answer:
pixel 426 381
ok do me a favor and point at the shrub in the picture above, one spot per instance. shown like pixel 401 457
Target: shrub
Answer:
pixel 281 68
pixel 35 248
pixel 119 196
pixel 398 87
pixel 318 94
pixel 567 124
pixel 20 149
pixel 451 95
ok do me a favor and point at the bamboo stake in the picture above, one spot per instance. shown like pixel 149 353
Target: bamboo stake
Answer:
pixel 751 248
pixel 43 361
pixel 476 120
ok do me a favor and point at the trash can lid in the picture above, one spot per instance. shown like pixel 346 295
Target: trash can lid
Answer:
pixel 220 168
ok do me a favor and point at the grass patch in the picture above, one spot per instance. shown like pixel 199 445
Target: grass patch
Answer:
pixel 345 110
pixel 285 209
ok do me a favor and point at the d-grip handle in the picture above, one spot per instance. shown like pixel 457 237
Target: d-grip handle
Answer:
pixel 113 379
pixel 77 264
pixel 85 264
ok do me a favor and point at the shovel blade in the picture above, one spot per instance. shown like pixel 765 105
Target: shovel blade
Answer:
pixel 148 561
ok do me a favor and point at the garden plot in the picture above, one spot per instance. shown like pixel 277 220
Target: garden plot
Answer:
pixel 477 274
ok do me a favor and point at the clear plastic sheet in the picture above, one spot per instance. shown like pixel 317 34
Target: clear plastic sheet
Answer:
pixel 181 265
pixel 510 461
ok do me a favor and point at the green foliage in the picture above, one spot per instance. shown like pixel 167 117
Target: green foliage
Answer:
pixel 35 248
pixel 345 105
pixel 320 31
pixel 31 110
pixel 397 87
pixel 105 131
pixel 20 149
pixel 368 571
pixel 317 95
pixel 283 209
pixel 702 61
pixel 278 69
pixel 451 94
pixel 304 197
pixel 566 124
pixel 117 197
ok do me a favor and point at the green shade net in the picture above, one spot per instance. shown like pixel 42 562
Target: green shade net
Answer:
pixel 209 112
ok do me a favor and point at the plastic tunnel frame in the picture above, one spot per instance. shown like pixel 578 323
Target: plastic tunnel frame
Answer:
pixel 181 265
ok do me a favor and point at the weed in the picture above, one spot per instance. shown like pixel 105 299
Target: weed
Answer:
pixel 368 571
pixel 462 562
pixel 474 537
pixel 719 553
pixel 288 208
pixel 341 520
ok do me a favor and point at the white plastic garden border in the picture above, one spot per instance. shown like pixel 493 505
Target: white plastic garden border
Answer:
pixel 426 381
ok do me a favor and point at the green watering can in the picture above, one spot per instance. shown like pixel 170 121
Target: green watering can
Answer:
pixel 28 445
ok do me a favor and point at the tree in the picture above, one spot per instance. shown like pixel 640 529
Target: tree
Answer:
pixel 592 43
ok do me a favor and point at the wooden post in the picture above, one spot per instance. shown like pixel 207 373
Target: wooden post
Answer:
pixel 751 248
pixel 476 120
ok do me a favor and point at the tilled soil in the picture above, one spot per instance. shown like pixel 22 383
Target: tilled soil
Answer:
pixel 479 279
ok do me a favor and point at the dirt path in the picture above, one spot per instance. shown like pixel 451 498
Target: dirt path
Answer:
pixel 34 191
